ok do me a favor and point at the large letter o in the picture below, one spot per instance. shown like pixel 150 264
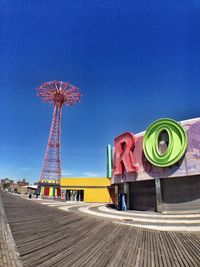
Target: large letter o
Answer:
pixel 177 142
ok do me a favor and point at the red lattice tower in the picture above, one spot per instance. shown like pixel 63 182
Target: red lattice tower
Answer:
pixel 59 94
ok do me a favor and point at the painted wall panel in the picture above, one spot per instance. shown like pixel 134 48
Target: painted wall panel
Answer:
pixel 100 195
pixel 98 181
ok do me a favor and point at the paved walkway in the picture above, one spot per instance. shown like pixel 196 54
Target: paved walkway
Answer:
pixel 9 256
pixel 48 236
pixel 149 220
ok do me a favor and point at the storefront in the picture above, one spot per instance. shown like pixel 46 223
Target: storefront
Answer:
pixel 74 195
pixel 159 170
pixel 48 189
pixel 86 190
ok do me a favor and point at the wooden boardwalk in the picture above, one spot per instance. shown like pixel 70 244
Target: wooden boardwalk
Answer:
pixel 8 253
pixel 46 237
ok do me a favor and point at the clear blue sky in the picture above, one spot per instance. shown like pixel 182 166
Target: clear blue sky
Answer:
pixel 134 62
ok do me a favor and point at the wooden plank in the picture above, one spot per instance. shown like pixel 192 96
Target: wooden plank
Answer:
pixel 48 237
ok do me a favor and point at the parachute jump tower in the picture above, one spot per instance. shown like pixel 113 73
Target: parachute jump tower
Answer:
pixel 59 94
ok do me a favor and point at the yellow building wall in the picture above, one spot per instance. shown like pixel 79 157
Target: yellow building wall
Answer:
pixel 78 181
pixel 95 189
pixel 97 195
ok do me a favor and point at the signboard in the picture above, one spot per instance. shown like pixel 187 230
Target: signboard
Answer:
pixel 143 163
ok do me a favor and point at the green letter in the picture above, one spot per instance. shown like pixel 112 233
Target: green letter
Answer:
pixel 167 135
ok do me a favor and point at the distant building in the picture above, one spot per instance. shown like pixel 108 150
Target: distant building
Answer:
pixel 22 183
pixel 7 183
pixel 21 186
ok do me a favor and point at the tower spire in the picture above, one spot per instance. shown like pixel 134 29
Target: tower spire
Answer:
pixel 59 94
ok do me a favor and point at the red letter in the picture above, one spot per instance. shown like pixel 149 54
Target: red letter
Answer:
pixel 124 145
